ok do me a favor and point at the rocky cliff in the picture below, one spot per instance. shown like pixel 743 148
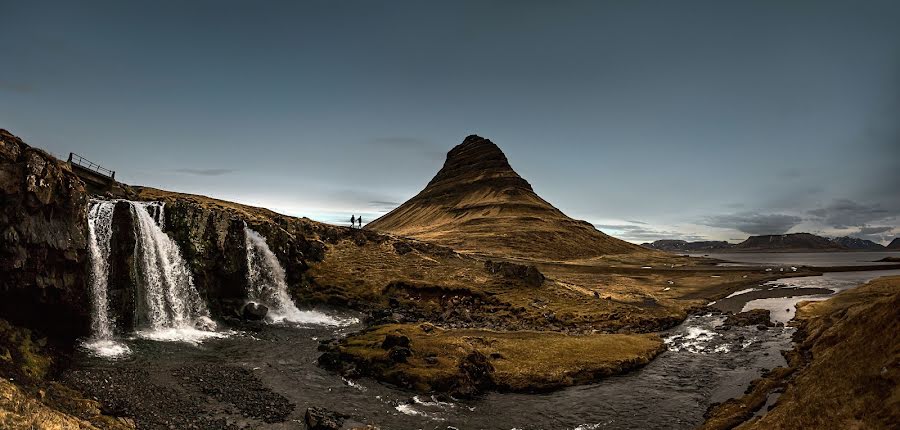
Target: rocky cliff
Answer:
pixel 478 203
pixel 43 251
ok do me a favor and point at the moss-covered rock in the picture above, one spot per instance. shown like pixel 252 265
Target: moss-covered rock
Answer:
pixel 467 362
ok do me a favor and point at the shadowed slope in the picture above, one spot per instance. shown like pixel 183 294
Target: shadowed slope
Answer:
pixel 478 203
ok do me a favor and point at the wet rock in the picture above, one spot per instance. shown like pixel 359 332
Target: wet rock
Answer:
pixel 323 419
pixel 254 311
pixel 750 318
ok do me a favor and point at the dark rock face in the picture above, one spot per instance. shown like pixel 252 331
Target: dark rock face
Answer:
pixel 254 311
pixel 122 282
pixel 43 241
pixel 529 275
pixel 754 317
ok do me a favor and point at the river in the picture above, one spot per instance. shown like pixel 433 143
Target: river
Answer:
pixel 264 377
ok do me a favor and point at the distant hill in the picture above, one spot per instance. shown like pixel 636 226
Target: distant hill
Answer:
pixel 794 242
pixel 685 246
pixel 894 245
pixel 789 242
pixel 858 244
pixel 478 203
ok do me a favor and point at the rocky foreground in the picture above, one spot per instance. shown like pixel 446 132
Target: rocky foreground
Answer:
pixel 844 372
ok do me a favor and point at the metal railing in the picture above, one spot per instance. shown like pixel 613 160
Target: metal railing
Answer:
pixel 90 165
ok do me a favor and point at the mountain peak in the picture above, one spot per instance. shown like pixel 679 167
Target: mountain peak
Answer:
pixel 478 203
pixel 476 159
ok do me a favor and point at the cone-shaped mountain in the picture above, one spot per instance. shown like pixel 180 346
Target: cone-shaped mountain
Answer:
pixel 478 203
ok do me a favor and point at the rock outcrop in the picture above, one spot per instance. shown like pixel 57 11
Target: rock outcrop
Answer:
pixel 478 203
pixel 43 241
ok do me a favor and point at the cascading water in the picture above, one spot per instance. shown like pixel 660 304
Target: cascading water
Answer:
pixel 100 214
pixel 266 285
pixel 168 306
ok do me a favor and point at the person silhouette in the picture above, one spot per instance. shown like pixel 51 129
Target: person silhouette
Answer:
pixel 360 221
pixel 352 221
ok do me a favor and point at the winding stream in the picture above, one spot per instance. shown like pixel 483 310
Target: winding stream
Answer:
pixel 176 384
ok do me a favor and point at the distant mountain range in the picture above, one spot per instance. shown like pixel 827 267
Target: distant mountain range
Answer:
pixel 794 242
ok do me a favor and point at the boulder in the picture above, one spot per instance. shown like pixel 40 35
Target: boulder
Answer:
pixel 754 317
pixel 393 340
pixel 254 311
pixel 527 274
pixel 323 419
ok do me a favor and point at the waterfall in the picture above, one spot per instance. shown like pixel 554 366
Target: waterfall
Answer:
pixel 266 284
pixel 100 214
pixel 168 306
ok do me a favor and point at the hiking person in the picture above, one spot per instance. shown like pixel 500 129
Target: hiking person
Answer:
pixel 352 221
pixel 360 221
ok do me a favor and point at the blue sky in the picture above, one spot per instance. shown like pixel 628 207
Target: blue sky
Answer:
pixel 652 119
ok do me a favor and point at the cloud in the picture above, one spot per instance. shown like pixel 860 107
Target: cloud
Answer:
pixel 882 234
pixel 205 172
pixel 754 223
pixel 639 233
pixel 874 230
pixel 16 87
pixel 380 205
pixel 845 213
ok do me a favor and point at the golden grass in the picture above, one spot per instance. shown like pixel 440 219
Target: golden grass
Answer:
pixel 522 360
pixel 845 373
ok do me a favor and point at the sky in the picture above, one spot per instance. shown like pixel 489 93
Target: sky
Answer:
pixel 696 120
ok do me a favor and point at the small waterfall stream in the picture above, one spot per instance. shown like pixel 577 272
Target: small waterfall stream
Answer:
pixel 266 284
pixel 100 213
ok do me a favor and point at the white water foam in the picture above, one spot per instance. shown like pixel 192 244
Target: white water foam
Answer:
pixel 267 285
pixel 189 335
pixel 107 348
pixel 738 293
pixel 695 340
